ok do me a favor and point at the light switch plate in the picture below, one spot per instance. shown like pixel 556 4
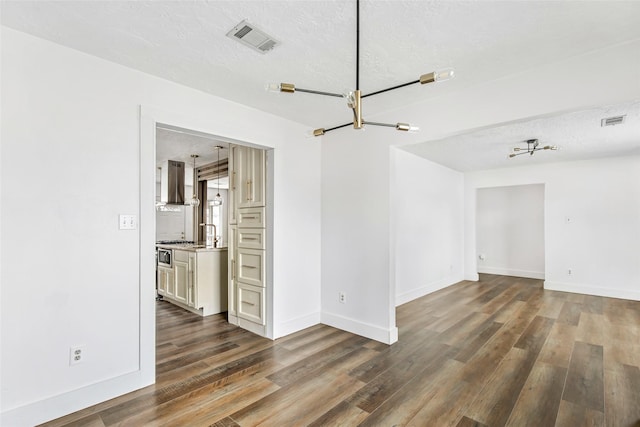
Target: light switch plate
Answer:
pixel 128 222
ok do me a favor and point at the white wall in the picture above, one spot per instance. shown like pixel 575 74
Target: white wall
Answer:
pixel 427 223
pixel 355 235
pixel 592 222
pixel 510 230
pixel 69 276
pixel 358 247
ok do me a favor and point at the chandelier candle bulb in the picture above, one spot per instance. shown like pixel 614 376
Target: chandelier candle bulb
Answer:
pixel 272 87
pixel 444 75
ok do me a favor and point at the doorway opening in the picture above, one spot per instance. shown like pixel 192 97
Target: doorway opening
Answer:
pixel 510 231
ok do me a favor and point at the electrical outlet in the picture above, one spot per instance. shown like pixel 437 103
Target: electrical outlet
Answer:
pixel 342 297
pixel 76 355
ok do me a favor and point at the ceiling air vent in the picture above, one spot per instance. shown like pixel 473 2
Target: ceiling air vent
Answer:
pixel 249 35
pixel 612 121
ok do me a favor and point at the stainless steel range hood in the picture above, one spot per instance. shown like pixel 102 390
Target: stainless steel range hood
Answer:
pixel 172 183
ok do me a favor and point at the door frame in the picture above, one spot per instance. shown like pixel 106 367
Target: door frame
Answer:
pixel 149 118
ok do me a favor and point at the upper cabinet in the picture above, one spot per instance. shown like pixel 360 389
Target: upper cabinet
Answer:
pixel 250 172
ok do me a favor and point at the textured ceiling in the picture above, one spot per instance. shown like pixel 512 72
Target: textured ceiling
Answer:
pixel 185 41
pixel 179 144
pixel 578 136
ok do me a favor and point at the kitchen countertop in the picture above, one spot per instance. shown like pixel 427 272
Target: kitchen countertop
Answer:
pixel 190 247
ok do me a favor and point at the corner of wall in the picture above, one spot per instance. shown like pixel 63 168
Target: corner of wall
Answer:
pixel 386 336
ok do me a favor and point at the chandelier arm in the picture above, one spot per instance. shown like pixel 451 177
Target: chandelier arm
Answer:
pixel 318 92
pixel 338 127
pixel 391 88
pixel 389 125
pixel 521 153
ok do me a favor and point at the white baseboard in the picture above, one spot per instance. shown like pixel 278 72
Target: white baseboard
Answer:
pixel 295 325
pixel 63 404
pixel 474 277
pixel 593 290
pixel 425 290
pixel 511 272
pixel 387 336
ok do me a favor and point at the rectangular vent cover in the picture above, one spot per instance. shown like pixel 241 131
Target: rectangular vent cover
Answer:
pixel 612 121
pixel 250 35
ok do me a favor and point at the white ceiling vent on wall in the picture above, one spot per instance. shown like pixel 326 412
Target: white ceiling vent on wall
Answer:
pixel 612 121
pixel 249 35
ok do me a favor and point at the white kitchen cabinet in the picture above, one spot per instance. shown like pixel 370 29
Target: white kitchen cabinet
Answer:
pixel 199 280
pixel 250 266
pixel 165 281
pixel 247 241
pixel 191 282
pixel 251 218
pixel 232 292
pixel 181 271
pixel 251 238
pixel 250 185
pixel 251 303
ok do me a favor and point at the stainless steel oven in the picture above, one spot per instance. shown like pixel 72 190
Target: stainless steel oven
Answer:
pixel 165 257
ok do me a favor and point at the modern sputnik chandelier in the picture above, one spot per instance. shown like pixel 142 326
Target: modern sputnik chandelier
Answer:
pixel 354 98
pixel 532 147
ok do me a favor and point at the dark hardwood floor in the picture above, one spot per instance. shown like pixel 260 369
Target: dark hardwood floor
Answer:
pixel 501 351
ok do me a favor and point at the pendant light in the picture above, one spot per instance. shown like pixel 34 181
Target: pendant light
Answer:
pixel 195 202
pixel 354 98
pixel 217 201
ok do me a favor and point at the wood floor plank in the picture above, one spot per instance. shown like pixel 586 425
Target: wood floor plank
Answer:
pixel 559 345
pixel 497 398
pixel 539 400
pixel 591 329
pixel 461 330
pixel 593 304
pixel 585 379
pixel 551 307
pixel 570 313
pixel 468 422
pixel 491 354
pixel 389 357
pixel 381 388
pixel 343 414
pixel 402 406
pixel 283 407
pixel 478 339
pixel 225 422
pixel 316 362
pixel 571 414
pixel 535 335
pixel 193 357
pixel 622 398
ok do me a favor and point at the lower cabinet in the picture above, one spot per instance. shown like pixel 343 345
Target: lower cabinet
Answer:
pixel 232 291
pixel 166 286
pixel 199 281
pixel 181 269
pixel 251 303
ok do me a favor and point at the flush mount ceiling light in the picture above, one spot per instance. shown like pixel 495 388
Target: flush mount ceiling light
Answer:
pixel 354 97
pixel 532 147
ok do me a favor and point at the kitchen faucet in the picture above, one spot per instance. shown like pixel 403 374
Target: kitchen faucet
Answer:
pixel 215 233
